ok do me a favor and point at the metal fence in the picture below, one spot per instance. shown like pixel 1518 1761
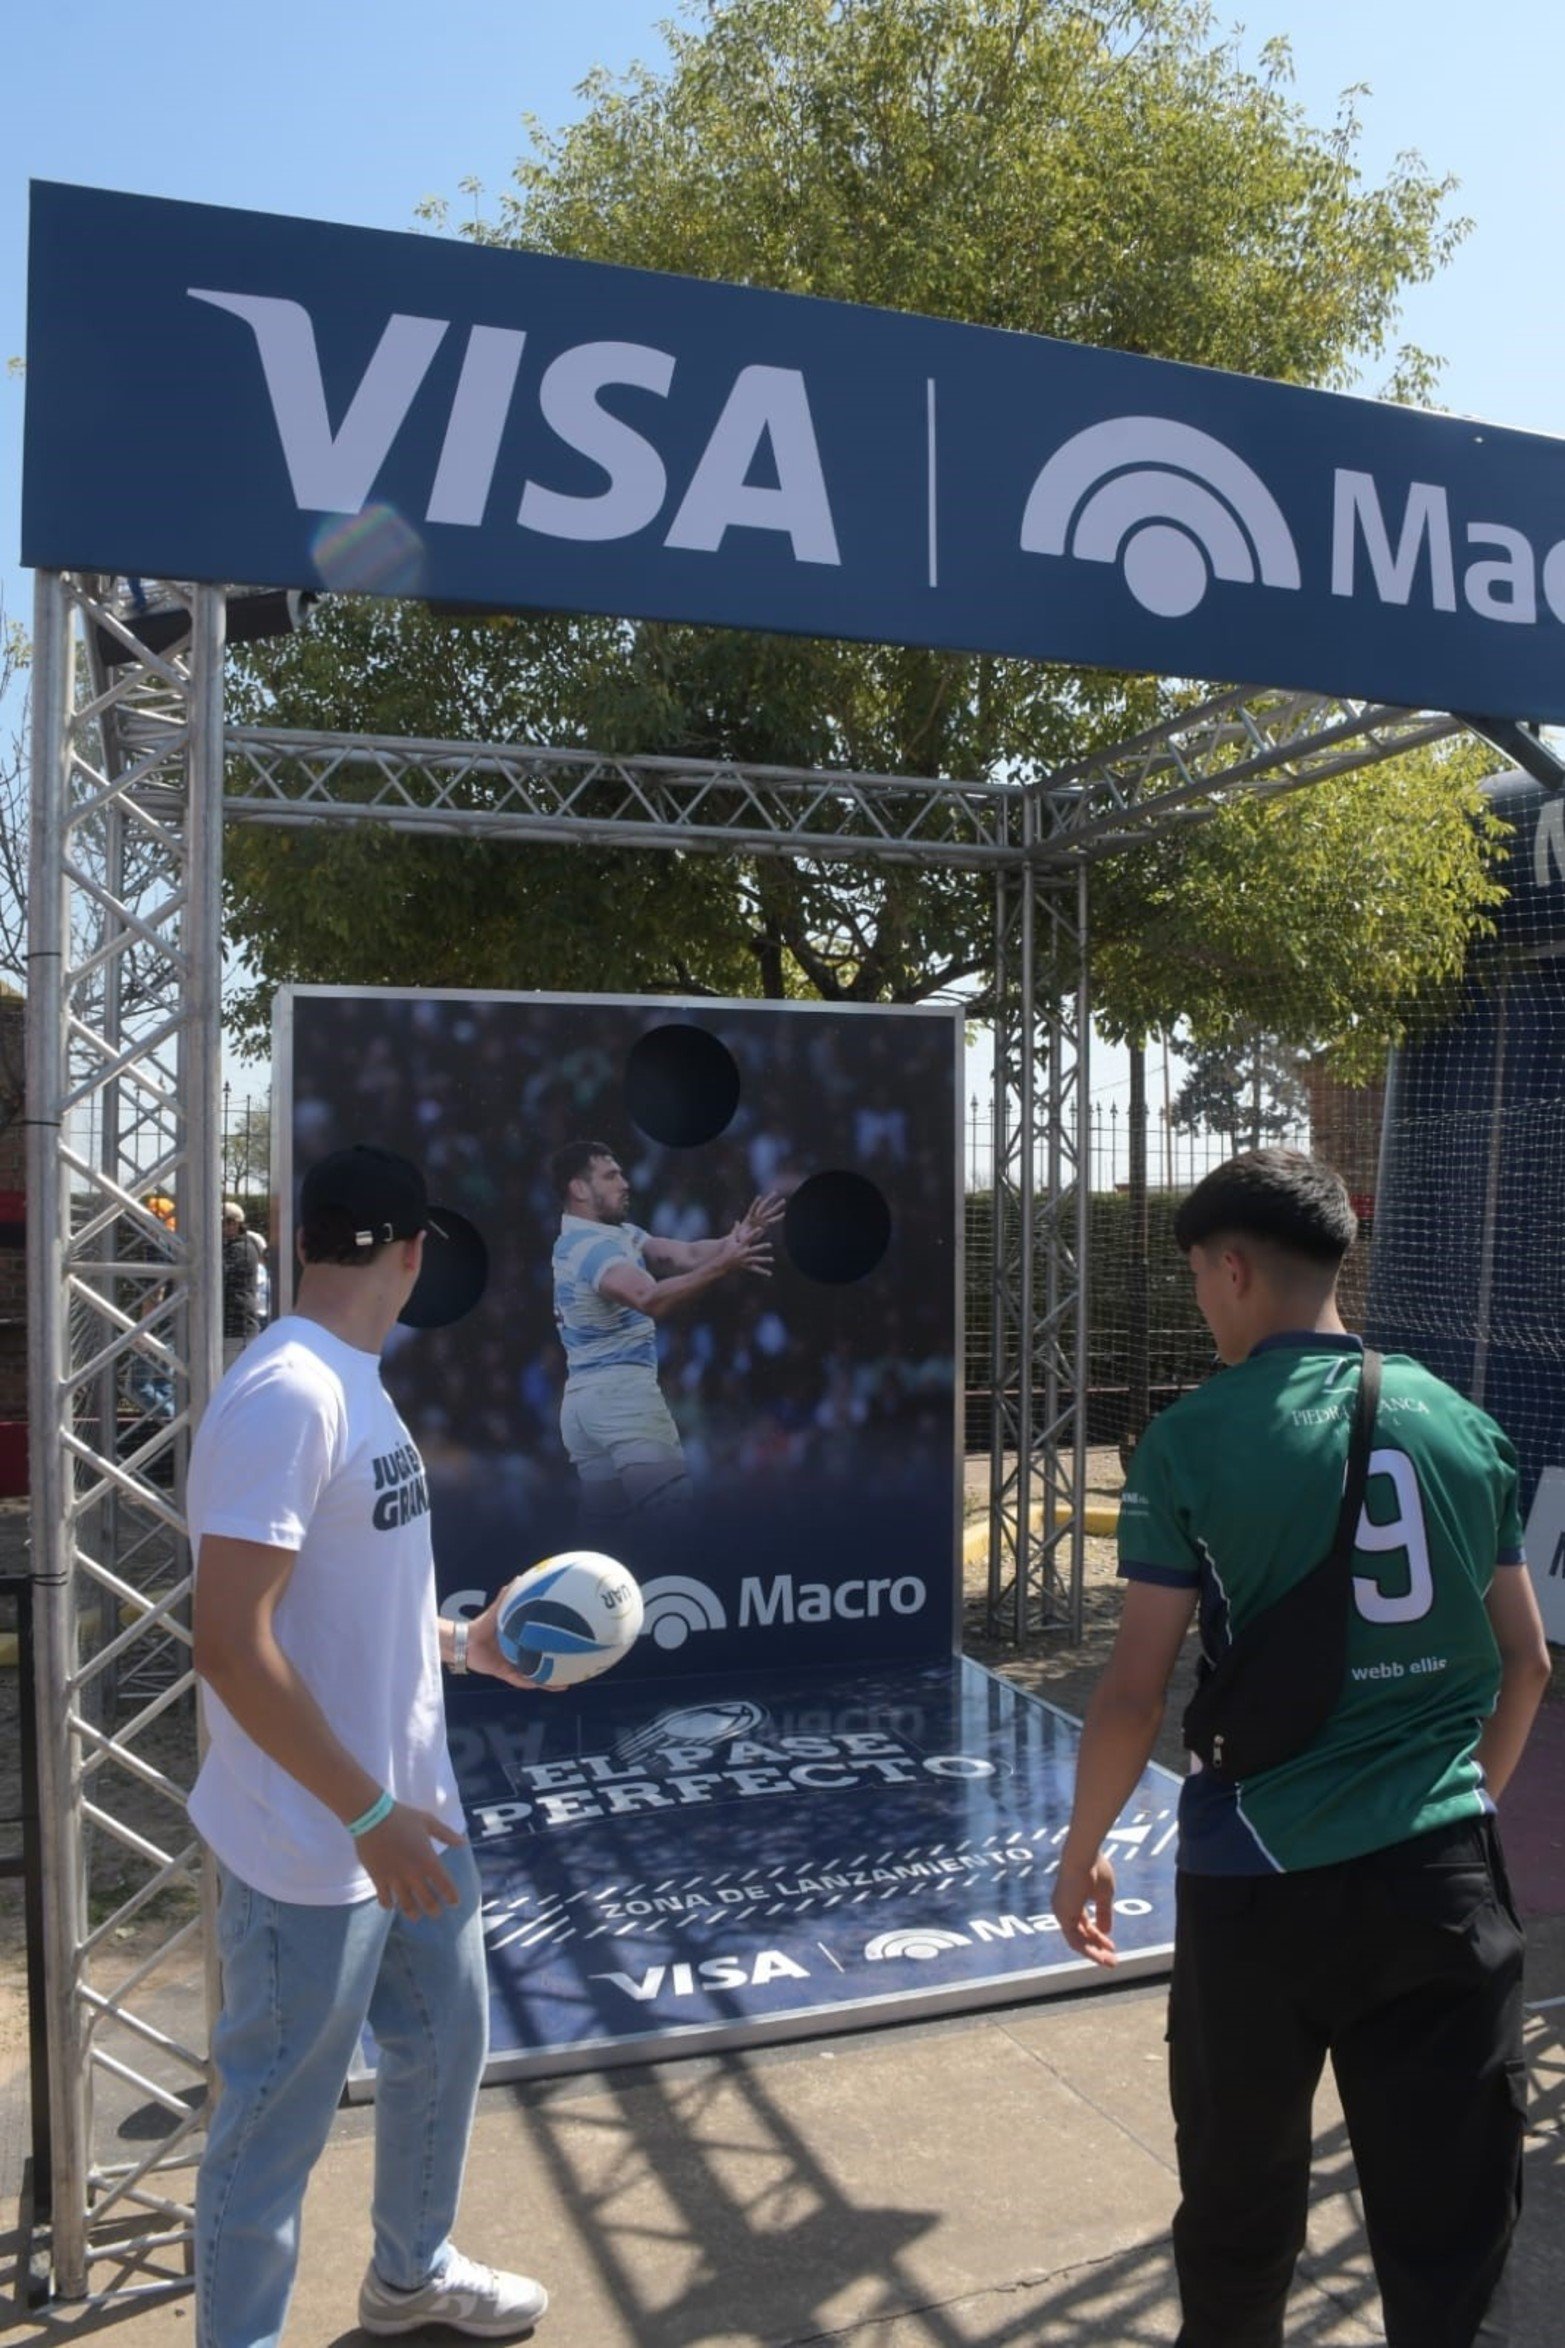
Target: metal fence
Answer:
pixel 1146 1342
pixel 1177 1155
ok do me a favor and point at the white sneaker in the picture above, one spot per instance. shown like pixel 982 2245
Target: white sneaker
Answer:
pixel 476 2300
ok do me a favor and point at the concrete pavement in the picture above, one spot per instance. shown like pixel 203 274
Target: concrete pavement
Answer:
pixel 986 2182
pixel 979 2183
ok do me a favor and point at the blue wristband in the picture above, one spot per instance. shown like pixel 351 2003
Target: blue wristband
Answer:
pixel 376 1815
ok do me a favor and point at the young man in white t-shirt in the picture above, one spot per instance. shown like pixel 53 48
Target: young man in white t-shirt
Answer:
pixel 349 1892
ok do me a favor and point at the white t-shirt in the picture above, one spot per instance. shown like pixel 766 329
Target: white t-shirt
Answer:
pixel 302 1449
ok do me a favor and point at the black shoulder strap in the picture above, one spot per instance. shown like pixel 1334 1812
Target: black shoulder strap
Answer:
pixel 1360 1444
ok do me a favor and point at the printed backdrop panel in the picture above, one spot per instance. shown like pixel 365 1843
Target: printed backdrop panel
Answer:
pixel 781 1855
pixel 1546 1551
pixel 804 1423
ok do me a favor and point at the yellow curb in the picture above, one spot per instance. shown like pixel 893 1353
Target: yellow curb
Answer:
pixel 86 1622
pixel 1100 1518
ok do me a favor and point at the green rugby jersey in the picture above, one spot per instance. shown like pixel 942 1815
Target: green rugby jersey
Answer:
pixel 1235 1492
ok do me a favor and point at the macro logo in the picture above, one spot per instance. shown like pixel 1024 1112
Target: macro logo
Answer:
pixel 1171 505
pixel 675 1606
pixel 920 1941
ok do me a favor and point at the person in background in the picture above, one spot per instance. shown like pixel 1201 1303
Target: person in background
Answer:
pixel 149 1380
pixel 244 1259
pixel 1351 1900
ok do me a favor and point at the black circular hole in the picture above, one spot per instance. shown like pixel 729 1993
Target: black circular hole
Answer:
pixel 837 1227
pixel 681 1085
pixel 454 1276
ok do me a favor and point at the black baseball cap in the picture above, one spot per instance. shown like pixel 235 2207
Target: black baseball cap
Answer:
pixel 384 1197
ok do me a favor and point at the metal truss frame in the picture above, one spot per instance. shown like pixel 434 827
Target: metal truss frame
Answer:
pixel 134 778
pixel 1182 772
pixel 123 1046
pixel 509 791
pixel 1038 1340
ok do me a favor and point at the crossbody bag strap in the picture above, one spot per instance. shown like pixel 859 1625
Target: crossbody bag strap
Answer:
pixel 1360 1444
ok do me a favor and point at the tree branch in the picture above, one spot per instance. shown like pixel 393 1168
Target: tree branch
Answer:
pixel 14 658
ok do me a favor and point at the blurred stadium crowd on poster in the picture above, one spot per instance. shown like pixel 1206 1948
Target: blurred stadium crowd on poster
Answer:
pixel 784 1388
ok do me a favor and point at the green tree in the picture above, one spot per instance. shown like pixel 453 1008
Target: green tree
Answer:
pixel 1112 173
pixel 247 1146
pixel 1338 915
pixel 15 657
pixel 14 830
pixel 1250 1089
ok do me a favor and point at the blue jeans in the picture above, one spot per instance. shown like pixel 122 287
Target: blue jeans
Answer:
pixel 298 1985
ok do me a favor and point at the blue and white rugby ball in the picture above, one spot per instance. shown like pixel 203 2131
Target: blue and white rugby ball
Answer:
pixel 570 1618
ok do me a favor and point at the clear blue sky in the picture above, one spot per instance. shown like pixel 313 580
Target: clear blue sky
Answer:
pixel 353 110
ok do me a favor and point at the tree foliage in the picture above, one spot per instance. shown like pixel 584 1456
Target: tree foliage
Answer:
pixel 14 661
pixel 247 1149
pixel 1337 915
pixel 1251 1089
pixel 1112 173
pixel 15 658
pixel 1107 172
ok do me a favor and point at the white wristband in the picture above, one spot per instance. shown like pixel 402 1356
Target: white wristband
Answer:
pixel 458 1662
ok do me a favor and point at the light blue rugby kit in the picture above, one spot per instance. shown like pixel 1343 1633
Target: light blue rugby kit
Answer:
pixel 614 1422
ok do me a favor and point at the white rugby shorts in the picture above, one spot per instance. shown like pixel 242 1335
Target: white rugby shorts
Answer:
pixel 611 1420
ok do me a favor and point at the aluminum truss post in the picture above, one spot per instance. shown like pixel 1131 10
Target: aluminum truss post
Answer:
pixel 1060 1431
pixel 123 1049
pixel 59 1784
pixel 201 1036
pixel 1037 1455
pixel 1011 1274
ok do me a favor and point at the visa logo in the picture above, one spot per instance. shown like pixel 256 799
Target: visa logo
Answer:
pixel 333 470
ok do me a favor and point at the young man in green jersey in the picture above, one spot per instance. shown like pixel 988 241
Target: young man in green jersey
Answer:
pixel 1352 1900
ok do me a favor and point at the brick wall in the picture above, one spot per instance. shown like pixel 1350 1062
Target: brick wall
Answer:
pixel 13 1179
pixel 1345 1130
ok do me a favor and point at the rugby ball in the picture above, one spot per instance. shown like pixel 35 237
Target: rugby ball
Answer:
pixel 570 1618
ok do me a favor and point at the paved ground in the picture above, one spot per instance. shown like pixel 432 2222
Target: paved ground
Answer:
pixel 981 2183
pixel 1002 2181
pixel 995 2182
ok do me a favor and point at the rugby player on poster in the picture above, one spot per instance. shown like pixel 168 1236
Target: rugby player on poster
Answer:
pixel 613 1283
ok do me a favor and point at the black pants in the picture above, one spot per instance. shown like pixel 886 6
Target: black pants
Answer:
pixel 1406 1968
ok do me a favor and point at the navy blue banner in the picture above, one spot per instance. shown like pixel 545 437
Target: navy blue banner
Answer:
pixel 288 403
pixel 766 1856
